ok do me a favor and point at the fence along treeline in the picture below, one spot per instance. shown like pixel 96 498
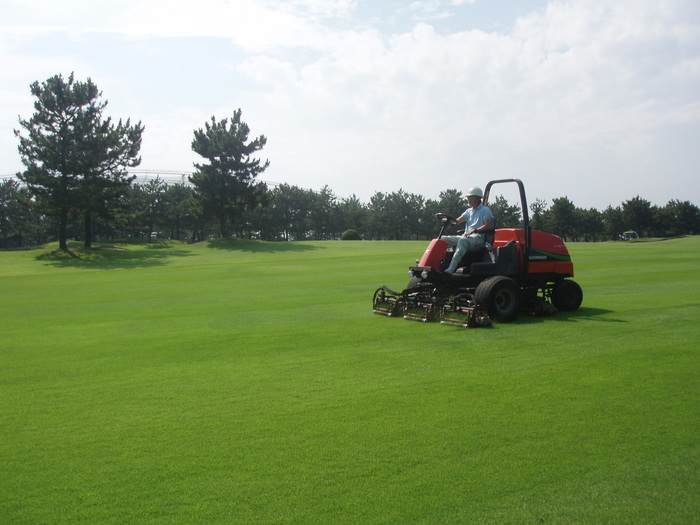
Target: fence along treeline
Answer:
pixel 156 209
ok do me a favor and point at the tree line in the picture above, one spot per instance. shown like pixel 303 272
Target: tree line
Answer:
pixel 158 210
pixel 76 185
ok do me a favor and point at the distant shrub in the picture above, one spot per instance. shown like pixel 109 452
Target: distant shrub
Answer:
pixel 350 235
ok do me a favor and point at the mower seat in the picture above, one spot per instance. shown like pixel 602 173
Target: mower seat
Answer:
pixel 490 234
pixel 505 263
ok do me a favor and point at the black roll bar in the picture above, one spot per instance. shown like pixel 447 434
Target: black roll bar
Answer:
pixel 526 217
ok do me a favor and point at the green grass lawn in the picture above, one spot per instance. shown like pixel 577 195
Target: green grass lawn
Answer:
pixel 247 382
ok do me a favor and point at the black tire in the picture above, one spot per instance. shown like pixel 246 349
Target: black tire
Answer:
pixel 567 295
pixel 413 282
pixel 501 297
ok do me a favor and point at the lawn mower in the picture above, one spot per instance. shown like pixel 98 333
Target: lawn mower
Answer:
pixel 517 270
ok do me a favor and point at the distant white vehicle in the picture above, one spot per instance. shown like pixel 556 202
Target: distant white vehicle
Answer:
pixel 630 236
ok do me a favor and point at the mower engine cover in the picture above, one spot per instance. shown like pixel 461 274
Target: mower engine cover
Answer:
pixel 548 253
pixel 437 249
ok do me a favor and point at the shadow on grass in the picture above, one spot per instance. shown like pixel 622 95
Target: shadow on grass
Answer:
pixel 113 257
pixel 589 314
pixel 243 245
pixel 582 314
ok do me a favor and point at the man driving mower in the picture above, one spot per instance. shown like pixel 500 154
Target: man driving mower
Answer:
pixel 478 219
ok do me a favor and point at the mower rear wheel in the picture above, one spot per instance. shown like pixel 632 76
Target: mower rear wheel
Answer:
pixel 501 297
pixel 567 295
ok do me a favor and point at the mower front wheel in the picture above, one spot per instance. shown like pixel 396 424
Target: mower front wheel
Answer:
pixel 501 297
pixel 413 282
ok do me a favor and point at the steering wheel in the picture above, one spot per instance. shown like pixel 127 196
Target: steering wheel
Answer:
pixel 444 217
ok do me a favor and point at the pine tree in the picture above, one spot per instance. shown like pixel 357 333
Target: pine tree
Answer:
pixel 225 187
pixel 75 162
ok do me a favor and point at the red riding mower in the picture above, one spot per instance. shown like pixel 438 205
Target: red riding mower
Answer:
pixel 518 269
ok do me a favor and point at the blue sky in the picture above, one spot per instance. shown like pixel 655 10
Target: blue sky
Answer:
pixel 590 99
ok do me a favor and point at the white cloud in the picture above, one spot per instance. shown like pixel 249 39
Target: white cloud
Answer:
pixel 316 8
pixel 572 97
pixel 579 79
pixel 251 25
pixel 165 130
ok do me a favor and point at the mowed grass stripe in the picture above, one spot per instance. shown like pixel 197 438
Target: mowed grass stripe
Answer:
pixel 247 383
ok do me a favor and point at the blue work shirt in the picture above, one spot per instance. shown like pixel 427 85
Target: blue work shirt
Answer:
pixel 474 217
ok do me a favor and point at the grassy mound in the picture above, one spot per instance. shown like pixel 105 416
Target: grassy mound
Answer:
pixel 248 382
